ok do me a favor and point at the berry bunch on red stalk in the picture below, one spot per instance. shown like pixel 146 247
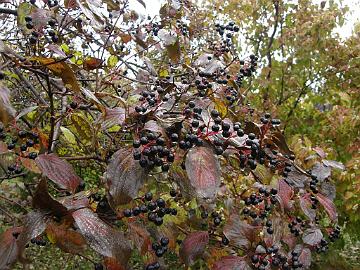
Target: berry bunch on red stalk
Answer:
pixel 193 172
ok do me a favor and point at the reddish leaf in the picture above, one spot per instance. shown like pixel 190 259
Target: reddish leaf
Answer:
pixel 312 237
pixel 278 228
pixel 9 247
pixel 203 170
pixel 124 177
pixel 231 262
pixel 66 239
pixel 285 194
pixel 75 202
pixel 239 232
pixel 112 117
pixel 140 237
pixel 44 202
pixel 305 204
pixel 305 257
pixel 101 237
pixel 30 165
pixel 112 264
pixel 328 206
pixel 92 63
pixel 193 246
pixel 59 171
pixel 7 112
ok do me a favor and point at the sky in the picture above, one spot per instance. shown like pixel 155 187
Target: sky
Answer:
pixel 153 6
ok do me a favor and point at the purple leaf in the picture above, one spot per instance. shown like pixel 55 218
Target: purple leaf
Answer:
pixel 312 237
pixel 231 262
pixel 124 177
pixel 285 194
pixel 112 117
pixel 305 204
pixel 320 171
pixel 193 246
pixel 328 206
pixel 239 232
pixel 101 237
pixel 305 257
pixel 334 164
pixel 203 170
pixel 296 178
pixel 9 247
pixel 59 171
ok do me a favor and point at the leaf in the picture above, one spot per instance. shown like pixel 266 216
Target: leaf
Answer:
pixel 66 239
pixel 92 63
pixel 60 69
pixel 112 264
pixel 25 111
pixel 296 178
pixel 279 139
pixel 7 112
pixel 30 165
pixel 305 204
pixel 239 232
pixel 69 136
pixel 329 190
pixel 285 194
pixel 89 10
pixel 320 171
pixel 44 202
pixel 193 246
pixel 328 206
pixel 231 262
pixel 334 164
pixel 305 257
pixel 140 237
pixel 312 237
pixel 101 237
pixel 167 37
pixel 82 126
pixel 59 171
pixel 124 177
pixel 112 61
pixel 174 52
pixel 112 117
pixel 9 248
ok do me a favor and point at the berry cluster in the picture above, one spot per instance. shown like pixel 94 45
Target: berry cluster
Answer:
pixel 183 28
pixel 35 35
pixel 258 205
pixel 296 226
pixel 151 152
pixel 335 234
pixel 153 266
pixel 38 241
pixel 216 218
pixel 156 210
pixel 160 248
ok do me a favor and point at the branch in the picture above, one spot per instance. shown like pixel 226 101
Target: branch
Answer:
pixel 8 11
pixel 58 123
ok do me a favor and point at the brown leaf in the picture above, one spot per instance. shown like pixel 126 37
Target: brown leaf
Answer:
pixel 60 69
pixel 112 264
pixel 140 237
pixel 142 3
pixel 239 232
pixel 312 237
pixel 92 63
pixel 45 203
pixel 279 139
pixel 66 239
pixel 124 177
pixel 174 52
pixel 30 165
pixel 125 38
pixel 101 237
pixel 193 246
pixel 59 171
pixel 328 206
pixel 9 247
pixel 203 170
pixel 231 262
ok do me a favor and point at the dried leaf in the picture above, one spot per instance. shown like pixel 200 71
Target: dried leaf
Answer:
pixel 59 171
pixel 203 170
pixel 101 237
pixel 193 246
pixel 66 239
pixel 124 177
pixel 312 237
pixel 60 69
pixel 30 165
pixel 7 112
pixel 92 63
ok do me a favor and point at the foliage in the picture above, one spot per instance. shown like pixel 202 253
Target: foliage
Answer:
pixel 157 142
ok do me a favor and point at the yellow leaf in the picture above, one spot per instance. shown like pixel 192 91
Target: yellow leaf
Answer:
pixel 112 61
